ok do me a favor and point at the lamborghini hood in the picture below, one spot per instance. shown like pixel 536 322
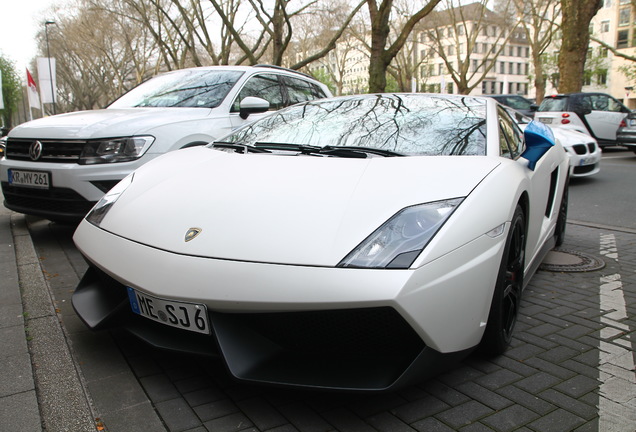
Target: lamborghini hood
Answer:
pixel 302 210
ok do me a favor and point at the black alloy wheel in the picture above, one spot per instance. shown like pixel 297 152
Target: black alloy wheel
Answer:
pixel 507 296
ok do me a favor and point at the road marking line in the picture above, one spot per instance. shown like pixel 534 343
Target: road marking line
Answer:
pixel 617 372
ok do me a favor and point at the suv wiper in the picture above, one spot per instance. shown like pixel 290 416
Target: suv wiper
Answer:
pixel 237 147
pixel 344 151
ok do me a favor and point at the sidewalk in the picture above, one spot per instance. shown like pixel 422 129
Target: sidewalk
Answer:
pixel 35 353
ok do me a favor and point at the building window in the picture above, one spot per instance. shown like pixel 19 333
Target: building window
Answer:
pixel 601 78
pixel 623 16
pixel 460 30
pixel 605 26
pixel 622 40
pixel 502 67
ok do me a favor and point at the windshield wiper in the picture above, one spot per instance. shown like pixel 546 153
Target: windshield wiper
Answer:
pixel 362 150
pixel 238 147
pixel 302 148
pixel 338 151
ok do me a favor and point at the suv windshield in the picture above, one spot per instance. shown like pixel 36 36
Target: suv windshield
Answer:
pixel 198 88
pixel 553 104
pixel 404 124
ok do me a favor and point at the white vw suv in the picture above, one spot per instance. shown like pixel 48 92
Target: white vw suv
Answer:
pixel 58 167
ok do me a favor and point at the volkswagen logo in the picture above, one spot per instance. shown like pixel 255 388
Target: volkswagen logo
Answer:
pixel 35 151
pixel 192 233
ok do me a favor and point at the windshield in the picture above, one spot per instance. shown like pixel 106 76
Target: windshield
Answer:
pixel 408 124
pixel 195 88
pixel 553 104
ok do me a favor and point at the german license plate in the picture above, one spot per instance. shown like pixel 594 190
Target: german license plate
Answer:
pixel 183 315
pixel 632 122
pixel 586 161
pixel 35 179
pixel 546 120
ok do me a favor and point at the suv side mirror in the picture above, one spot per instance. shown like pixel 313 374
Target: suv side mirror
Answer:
pixel 539 139
pixel 252 105
pixel 534 107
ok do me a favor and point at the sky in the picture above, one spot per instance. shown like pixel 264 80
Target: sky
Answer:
pixel 20 22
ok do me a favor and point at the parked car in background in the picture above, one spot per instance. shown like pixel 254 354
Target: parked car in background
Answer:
pixel 517 102
pixel 58 167
pixel 330 246
pixel 626 133
pixel 596 114
pixel 584 153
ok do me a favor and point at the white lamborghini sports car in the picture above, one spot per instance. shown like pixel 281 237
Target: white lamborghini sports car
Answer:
pixel 354 243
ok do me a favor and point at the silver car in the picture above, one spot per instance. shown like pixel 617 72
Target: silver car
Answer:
pixel 626 133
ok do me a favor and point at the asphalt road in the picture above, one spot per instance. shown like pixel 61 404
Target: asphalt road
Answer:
pixel 609 197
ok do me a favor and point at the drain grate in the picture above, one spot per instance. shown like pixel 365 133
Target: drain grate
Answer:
pixel 563 260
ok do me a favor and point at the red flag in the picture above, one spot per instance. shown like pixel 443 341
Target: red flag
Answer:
pixel 32 92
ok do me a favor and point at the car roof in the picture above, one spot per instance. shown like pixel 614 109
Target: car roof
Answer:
pixel 258 67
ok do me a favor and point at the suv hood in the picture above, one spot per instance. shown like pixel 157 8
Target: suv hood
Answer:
pixel 105 123
pixel 302 210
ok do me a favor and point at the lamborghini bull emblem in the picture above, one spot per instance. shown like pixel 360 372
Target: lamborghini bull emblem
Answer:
pixel 192 233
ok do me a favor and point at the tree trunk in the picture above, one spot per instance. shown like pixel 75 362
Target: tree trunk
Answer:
pixel 381 56
pixel 576 17
pixel 539 80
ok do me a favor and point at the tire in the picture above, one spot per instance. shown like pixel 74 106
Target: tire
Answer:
pixel 559 232
pixel 506 300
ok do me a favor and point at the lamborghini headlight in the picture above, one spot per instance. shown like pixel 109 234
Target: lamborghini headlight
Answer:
pixel 400 240
pixel 114 150
pixel 97 213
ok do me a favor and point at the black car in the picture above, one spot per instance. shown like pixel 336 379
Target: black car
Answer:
pixel 518 103
pixel 596 114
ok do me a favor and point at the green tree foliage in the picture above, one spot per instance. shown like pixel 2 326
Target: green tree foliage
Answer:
pixel 11 90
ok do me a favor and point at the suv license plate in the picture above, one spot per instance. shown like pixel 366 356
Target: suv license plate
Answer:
pixel 34 179
pixel 183 315
pixel 546 120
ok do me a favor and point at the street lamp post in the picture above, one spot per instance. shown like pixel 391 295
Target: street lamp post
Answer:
pixel 48 55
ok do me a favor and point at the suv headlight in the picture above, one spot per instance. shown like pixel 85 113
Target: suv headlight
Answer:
pixel 114 150
pixel 97 213
pixel 400 240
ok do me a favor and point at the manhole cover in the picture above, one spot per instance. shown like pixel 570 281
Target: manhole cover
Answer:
pixel 562 260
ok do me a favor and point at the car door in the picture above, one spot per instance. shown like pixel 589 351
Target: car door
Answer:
pixel 264 86
pixel 300 90
pixel 543 180
pixel 605 116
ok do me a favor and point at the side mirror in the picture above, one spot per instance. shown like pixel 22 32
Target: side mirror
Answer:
pixel 539 139
pixel 252 105
pixel 534 107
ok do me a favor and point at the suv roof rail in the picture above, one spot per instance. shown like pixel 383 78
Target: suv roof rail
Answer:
pixel 283 68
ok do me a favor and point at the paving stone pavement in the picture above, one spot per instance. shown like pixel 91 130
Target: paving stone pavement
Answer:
pixel 570 366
